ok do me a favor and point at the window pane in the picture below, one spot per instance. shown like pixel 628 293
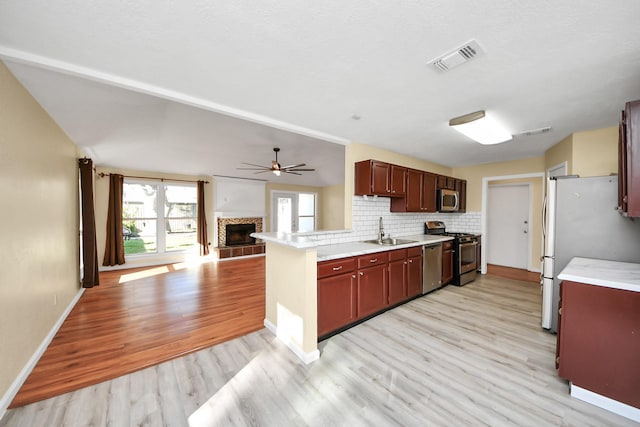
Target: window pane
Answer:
pixel 139 201
pixel 180 201
pixel 180 234
pixel 305 223
pixel 306 204
pixel 139 236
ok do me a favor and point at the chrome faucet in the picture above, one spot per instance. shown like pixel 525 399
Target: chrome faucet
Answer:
pixel 380 231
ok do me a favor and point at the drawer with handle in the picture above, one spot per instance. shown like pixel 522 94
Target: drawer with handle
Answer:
pixel 370 260
pixel 335 267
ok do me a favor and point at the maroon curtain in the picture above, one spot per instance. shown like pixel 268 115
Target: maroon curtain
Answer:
pixel 90 277
pixel 114 247
pixel 203 240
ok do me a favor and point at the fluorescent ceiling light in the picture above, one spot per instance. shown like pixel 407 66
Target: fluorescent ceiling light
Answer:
pixel 480 128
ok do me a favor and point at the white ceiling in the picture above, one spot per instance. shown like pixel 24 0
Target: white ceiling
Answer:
pixel 198 87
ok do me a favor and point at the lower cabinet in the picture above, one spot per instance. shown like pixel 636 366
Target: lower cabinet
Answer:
pixel 372 283
pixel 337 294
pixel 397 279
pixel 414 271
pixel 350 289
pixel 598 343
pixel 447 262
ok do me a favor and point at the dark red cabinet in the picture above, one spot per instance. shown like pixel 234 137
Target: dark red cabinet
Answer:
pixel 598 340
pixel 414 271
pixel 397 280
pixel 447 262
pixel 629 161
pixel 337 294
pixel 377 178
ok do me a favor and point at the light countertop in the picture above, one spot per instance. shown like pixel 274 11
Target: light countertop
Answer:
pixel 342 250
pixel 610 274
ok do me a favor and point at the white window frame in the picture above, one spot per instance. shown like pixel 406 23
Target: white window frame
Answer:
pixel 295 195
pixel 160 218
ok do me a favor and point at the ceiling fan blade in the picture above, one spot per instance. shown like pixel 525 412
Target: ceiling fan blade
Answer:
pixel 293 166
pixel 300 170
pixel 253 169
pixel 268 170
pixel 292 173
pixel 260 166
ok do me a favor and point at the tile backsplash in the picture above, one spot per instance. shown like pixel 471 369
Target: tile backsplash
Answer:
pixel 367 212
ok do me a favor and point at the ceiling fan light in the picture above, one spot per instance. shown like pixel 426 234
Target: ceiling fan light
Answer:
pixel 276 172
pixel 480 128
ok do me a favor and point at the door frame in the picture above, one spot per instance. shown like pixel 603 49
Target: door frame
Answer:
pixel 483 216
pixel 295 195
pixel 564 165
pixel 529 214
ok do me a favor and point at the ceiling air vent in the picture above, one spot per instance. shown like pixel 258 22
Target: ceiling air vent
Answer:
pixel 452 59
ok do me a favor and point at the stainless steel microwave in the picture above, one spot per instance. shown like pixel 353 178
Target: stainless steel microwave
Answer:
pixel 448 200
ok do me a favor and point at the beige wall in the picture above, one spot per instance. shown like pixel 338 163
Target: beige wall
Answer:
pixel 332 207
pixel 475 174
pixel 102 201
pixel 560 153
pixel 595 152
pixel 356 152
pixel 291 295
pixel 38 224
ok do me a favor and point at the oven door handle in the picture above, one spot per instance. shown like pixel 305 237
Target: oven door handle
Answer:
pixel 469 244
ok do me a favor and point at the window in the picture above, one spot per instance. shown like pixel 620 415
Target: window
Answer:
pixel 158 217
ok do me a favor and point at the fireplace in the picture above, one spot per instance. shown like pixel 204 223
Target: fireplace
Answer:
pixel 239 234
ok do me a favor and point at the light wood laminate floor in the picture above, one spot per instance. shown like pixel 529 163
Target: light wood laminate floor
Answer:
pixel 472 355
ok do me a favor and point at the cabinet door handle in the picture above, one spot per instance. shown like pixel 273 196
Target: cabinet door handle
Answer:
pixel 560 311
pixel 353 275
pixel 361 273
pixel 373 260
pixel 410 260
pixel 337 268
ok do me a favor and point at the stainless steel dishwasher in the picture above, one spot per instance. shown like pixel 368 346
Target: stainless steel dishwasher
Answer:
pixel 431 267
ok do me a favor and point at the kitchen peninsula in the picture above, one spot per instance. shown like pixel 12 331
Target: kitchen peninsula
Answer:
pixel 291 281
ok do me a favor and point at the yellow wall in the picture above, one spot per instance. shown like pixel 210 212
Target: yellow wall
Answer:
pixel 332 207
pixel 38 223
pixel 356 152
pixel 475 174
pixel 560 153
pixel 291 295
pixel 102 200
pixel 595 152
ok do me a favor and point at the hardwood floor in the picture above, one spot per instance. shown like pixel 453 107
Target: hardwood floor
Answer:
pixel 141 317
pixel 513 273
pixel 471 355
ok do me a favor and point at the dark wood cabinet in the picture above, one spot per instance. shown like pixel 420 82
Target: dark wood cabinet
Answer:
pixel 420 193
pixel 479 252
pixel 377 178
pixel 598 342
pixel 397 279
pixel 337 294
pixel 629 161
pixel 414 272
pixel 447 262
pixel 372 290
pixel 461 188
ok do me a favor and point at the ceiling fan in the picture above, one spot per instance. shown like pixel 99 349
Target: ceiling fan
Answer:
pixel 276 168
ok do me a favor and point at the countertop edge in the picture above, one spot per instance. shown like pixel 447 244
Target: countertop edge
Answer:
pixel 609 274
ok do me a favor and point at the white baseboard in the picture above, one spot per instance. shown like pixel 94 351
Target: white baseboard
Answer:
pixel 605 403
pixel 302 355
pixel 5 401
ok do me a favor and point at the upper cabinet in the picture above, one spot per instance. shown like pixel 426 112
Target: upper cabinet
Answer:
pixel 374 178
pixel 411 190
pixel 629 161
pixel 421 193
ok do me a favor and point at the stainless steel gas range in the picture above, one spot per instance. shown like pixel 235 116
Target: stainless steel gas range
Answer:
pixel 465 262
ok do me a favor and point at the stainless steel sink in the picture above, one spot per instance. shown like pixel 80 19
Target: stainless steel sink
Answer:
pixel 389 242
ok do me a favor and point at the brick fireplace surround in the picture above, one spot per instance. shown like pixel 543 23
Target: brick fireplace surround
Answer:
pixel 225 251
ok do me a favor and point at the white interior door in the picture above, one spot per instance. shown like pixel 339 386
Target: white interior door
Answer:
pixel 508 217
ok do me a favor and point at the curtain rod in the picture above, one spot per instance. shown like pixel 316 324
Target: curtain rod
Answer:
pixel 102 175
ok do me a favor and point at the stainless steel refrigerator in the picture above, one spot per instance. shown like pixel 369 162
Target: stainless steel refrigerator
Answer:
pixel 580 219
